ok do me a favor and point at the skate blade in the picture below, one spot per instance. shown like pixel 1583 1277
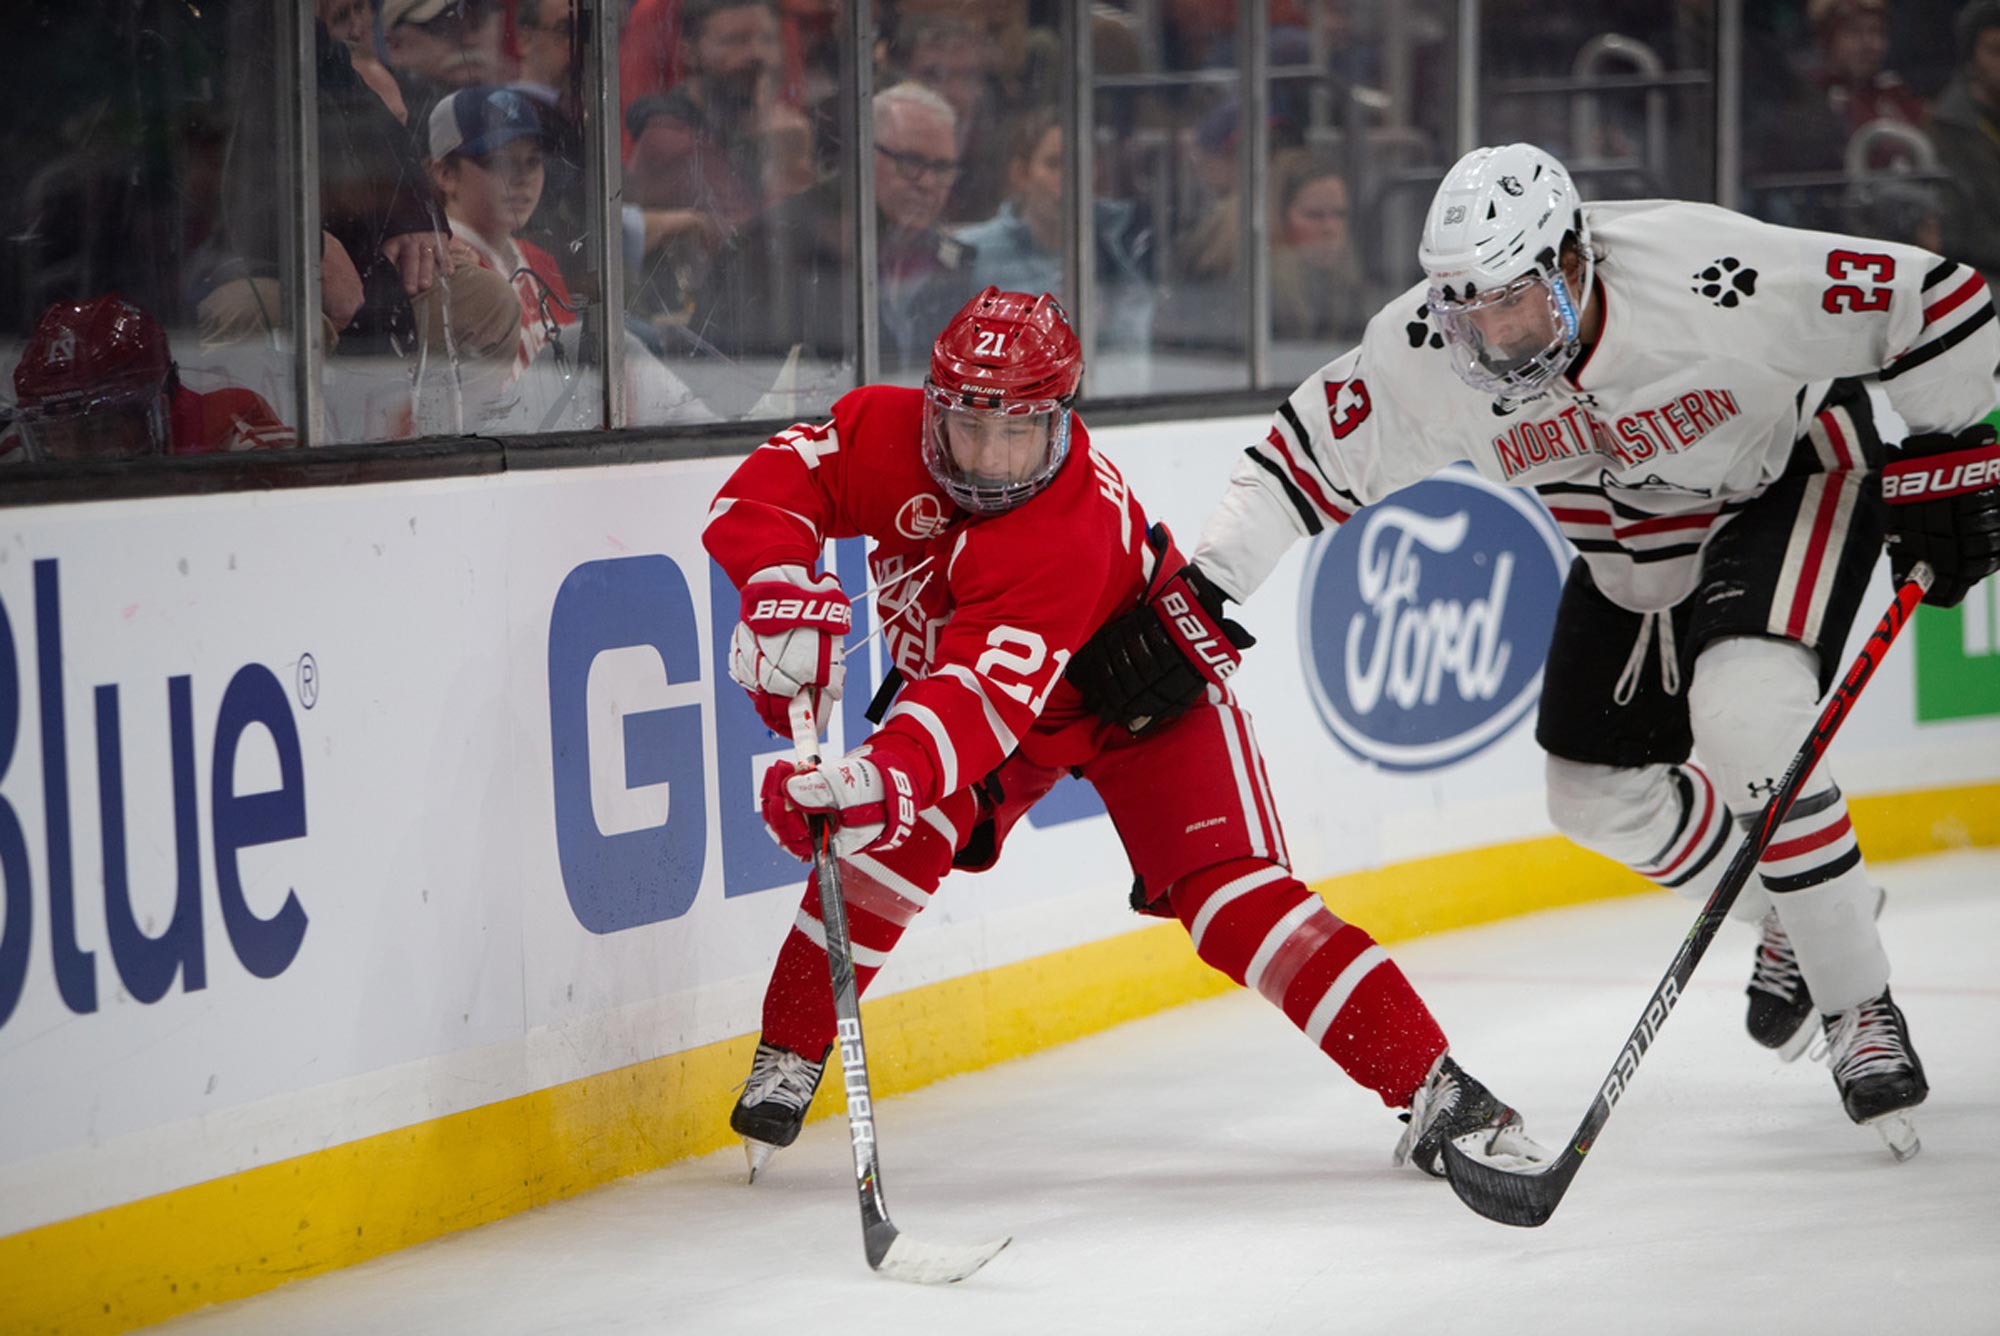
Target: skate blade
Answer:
pixel 757 1152
pixel 1800 1041
pixel 1899 1134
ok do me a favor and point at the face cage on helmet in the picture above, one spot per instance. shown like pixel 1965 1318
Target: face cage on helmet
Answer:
pixel 991 496
pixel 1521 375
pixel 52 430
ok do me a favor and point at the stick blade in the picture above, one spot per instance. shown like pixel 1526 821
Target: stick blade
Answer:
pixel 1523 1197
pixel 900 1257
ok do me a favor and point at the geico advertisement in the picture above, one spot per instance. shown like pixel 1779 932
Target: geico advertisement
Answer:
pixel 418 797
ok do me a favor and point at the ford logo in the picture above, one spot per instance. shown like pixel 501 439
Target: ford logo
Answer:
pixel 1425 618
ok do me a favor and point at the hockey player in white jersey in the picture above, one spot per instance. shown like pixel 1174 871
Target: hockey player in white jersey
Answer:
pixel 1681 385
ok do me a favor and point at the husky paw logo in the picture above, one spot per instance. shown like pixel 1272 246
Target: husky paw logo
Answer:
pixel 1726 282
pixel 1420 331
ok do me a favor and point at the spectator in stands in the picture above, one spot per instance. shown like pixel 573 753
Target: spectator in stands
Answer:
pixel 352 22
pixel 1019 249
pixel 96 381
pixel 488 155
pixel 1844 87
pixel 949 55
pixel 1853 41
pixel 436 46
pixel 710 153
pixel 719 140
pixel 376 202
pixel 488 159
pixel 545 31
pixel 1317 291
pixel 1966 127
pixel 781 284
pixel 393 290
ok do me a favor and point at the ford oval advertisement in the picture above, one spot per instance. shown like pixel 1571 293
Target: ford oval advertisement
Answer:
pixel 1424 620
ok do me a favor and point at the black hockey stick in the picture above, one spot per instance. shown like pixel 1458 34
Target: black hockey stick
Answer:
pixel 890 1252
pixel 1530 1197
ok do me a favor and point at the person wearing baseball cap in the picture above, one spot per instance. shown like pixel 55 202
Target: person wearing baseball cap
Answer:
pixel 434 46
pixel 486 156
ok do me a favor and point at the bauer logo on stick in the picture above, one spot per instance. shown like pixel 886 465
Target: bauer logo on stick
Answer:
pixel 1424 620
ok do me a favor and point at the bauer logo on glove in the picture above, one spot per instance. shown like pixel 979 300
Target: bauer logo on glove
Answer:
pixel 789 640
pixel 1201 638
pixel 783 613
pixel 1943 495
pixel 868 799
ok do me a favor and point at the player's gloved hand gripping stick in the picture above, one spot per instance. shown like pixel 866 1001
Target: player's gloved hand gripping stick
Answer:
pixel 1530 1197
pixel 890 1252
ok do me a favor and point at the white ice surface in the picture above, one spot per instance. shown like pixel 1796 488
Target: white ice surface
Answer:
pixel 1205 1171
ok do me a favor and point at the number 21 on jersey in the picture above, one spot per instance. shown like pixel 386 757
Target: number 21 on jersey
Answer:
pixel 1020 654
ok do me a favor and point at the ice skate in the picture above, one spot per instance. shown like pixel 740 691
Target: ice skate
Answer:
pixel 772 1108
pixel 1781 1014
pixel 1878 1072
pixel 1452 1106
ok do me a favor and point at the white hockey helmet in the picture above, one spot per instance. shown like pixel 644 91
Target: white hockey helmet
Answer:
pixel 1492 248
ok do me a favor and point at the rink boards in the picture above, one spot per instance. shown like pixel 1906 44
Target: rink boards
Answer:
pixel 379 861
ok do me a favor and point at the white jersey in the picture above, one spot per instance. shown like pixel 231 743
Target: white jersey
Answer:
pixel 1721 336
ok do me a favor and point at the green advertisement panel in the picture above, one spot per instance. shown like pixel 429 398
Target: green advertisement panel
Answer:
pixel 1958 658
pixel 1958 654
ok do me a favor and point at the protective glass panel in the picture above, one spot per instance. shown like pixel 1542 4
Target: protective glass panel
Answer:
pixel 1168 114
pixel 737 213
pixel 1007 207
pixel 1857 118
pixel 1622 92
pixel 453 192
pixel 1362 114
pixel 145 227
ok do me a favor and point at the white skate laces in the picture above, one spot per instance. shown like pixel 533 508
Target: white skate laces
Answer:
pixel 1777 968
pixel 780 1076
pixel 1862 1042
pixel 1453 1106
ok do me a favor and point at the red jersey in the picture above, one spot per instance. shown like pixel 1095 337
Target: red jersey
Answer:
pixel 982 612
pixel 228 419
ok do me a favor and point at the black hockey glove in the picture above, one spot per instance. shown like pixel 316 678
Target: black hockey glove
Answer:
pixel 1943 494
pixel 1150 664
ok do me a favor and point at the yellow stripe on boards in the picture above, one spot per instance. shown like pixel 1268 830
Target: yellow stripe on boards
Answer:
pixel 148 1260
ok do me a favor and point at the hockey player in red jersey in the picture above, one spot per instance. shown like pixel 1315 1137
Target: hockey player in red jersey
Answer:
pixel 1682 386
pixel 1002 543
pixel 96 381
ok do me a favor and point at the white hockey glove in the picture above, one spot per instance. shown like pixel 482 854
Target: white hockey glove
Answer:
pixel 789 640
pixel 869 799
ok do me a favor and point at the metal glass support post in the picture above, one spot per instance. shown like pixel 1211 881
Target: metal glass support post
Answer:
pixel 604 197
pixel 1729 103
pixel 1078 113
pixel 859 169
pixel 1253 26
pixel 298 71
pixel 1468 77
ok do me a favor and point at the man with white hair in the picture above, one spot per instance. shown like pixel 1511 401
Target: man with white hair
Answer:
pixel 781 283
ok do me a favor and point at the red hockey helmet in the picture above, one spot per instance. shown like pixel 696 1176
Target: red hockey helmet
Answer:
pixel 997 402
pixel 93 381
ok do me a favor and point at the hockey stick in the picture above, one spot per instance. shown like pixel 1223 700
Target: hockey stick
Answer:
pixel 1530 1197
pixel 890 1252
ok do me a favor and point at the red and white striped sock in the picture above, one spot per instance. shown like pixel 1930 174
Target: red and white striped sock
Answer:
pixel 883 895
pixel 1258 924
